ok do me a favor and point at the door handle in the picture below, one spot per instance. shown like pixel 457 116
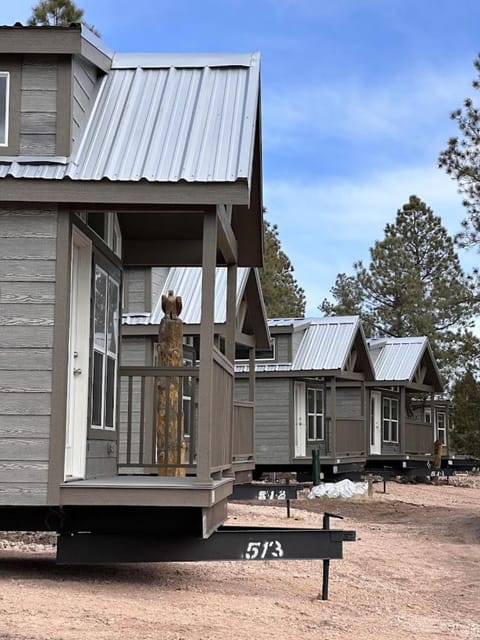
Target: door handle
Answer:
pixel 77 372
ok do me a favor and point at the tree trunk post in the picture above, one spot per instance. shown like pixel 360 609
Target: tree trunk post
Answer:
pixel 171 446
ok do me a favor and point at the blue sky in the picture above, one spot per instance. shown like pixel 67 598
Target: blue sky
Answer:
pixel 356 100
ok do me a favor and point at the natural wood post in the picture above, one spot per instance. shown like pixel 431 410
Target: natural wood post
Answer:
pixel 170 437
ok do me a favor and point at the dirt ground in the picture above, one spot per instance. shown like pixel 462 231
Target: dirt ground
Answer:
pixel 412 574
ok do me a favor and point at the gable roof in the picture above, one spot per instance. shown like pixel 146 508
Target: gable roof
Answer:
pixel 326 345
pixel 186 282
pixel 398 359
pixel 163 118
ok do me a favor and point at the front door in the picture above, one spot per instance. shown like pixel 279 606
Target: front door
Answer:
pixel 78 357
pixel 300 419
pixel 376 423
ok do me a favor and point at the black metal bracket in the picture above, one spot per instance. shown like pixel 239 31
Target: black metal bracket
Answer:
pixel 227 543
pixel 265 493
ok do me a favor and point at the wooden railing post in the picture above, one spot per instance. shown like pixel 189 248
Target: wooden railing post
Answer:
pixel 205 387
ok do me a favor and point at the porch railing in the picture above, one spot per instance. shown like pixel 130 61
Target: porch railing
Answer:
pixel 222 418
pixel 138 420
pixel 243 430
pixel 419 437
pixel 350 435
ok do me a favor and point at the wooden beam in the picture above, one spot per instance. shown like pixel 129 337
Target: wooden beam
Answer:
pixel 205 387
pixel 113 192
pixel 231 312
pixel 227 242
pixel 143 252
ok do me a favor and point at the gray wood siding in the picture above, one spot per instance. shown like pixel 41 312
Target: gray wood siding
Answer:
pixel 158 275
pixel 296 340
pixel 84 91
pixel 136 351
pixel 349 402
pixel 136 298
pixel 38 110
pixel 282 347
pixel 272 419
pixel 27 297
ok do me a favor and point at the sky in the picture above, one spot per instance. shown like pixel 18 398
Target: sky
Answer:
pixel 356 97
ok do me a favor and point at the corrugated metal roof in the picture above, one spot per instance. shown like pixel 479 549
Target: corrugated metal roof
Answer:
pixel 327 343
pixel 295 323
pixel 164 123
pixel 187 283
pixel 397 358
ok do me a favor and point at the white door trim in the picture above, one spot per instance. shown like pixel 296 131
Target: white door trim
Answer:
pixel 375 423
pixel 78 356
pixel 300 419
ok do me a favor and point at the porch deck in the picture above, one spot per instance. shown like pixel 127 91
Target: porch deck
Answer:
pixel 151 491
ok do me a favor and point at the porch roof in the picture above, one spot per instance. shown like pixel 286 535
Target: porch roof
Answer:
pixel 398 360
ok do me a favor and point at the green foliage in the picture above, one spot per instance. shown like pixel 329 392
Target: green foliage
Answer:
pixel 284 298
pixel 57 13
pixel 465 436
pixel 461 160
pixel 414 286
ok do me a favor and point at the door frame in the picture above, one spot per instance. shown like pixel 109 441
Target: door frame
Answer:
pixel 78 356
pixel 375 426
pixel 299 420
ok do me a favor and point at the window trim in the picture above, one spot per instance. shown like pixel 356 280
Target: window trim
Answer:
pixel 315 414
pixel 438 428
pixel 389 421
pixel 6 74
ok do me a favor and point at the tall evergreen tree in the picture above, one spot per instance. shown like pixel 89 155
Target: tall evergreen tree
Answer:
pixel 284 298
pixel 414 285
pixel 57 13
pixel 465 436
pixel 461 160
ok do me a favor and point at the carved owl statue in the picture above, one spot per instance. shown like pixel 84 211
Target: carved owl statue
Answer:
pixel 171 305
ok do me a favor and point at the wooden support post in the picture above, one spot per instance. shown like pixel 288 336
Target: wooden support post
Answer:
pixel 171 444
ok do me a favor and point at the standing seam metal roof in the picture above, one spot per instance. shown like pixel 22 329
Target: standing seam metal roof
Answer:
pixel 187 283
pixel 179 117
pixel 397 358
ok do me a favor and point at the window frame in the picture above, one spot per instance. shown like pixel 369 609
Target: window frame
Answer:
pixel 315 414
pixel 388 421
pixel 439 429
pixel 6 75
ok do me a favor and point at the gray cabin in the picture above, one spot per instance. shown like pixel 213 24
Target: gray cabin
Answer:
pixel 140 334
pixel 109 162
pixel 402 403
pixel 310 394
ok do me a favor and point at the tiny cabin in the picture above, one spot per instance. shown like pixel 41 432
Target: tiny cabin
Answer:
pixel 404 420
pixel 310 394
pixel 108 162
pixel 143 292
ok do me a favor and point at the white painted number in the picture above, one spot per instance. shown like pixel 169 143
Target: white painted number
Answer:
pixel 262 550
pixel 271 495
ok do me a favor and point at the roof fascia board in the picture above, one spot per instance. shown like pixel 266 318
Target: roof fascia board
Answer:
pixel 53 41
pixel 183 60
pixel 109 192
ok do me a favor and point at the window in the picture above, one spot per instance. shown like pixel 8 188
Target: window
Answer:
pixel 441 426
pixel 390 420
pixel 4 90
pixel 427 415
pixel 105 225
pixel 105 350
pixel 315 414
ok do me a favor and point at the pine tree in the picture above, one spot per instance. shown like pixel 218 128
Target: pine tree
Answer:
pixel 284 298
pixel 465 436
pixel 58 13
pixel 461 160
pixel 414 285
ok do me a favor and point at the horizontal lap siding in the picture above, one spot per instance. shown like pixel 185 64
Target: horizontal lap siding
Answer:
pixel 38 118
pixel 272 421
pixel 27 297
